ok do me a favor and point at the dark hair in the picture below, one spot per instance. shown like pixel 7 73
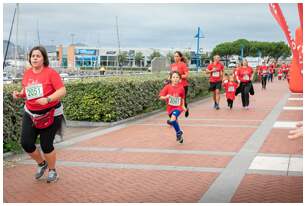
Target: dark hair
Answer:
pixel 183 59
pixel 175 72
pixel 44 53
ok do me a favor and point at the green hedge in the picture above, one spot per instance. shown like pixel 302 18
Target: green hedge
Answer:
pixel 100 99
pixel 117 98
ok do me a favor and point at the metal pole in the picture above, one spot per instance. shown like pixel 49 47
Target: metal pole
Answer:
pixel 9 40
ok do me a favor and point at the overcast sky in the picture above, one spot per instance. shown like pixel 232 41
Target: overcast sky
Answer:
pixel 146 25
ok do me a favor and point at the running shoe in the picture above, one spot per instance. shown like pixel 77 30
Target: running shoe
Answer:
pixel 52 176
pixel 179 137
pixel 41 170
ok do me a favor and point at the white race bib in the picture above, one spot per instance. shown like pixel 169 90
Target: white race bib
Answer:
pixel 34 91
pixel 231 89
pixel 246 77
pixel 216 74
pixel 174 101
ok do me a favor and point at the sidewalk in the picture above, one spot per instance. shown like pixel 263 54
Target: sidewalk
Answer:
pixel 228 156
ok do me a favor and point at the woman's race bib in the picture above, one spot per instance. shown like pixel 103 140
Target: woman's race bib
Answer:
pixel 231 89
pixel 216 74
pixel 246 77
pixel 34 91
pixel 174 101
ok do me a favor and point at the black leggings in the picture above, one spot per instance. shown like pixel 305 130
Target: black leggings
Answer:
pixel 230 103
pixel 29 134
pixel 186 91
pixel 245 90
pixel 264 81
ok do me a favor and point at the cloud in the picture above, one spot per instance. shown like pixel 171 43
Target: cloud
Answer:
pixel 147 25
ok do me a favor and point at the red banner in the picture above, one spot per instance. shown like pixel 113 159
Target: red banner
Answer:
pixel 296 69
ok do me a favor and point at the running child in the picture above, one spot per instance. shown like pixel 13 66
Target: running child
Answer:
pixel 230 88
pixel 174 95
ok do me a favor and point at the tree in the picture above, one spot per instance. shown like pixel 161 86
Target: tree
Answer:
pixel 170 57
pixel 252 48
pixel 155 54
pixel 122 57
pixel 139 59
pixel 187 55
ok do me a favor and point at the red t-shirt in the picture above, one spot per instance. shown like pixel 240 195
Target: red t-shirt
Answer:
pixel 263 70
pixel 40 85
pixel 182 68
pixel 230 89
pixel 272 68
pixel 285 68
pixel 280 71
pixel 216 75
pixel 177 94
pixel 245 74
pixel 235 72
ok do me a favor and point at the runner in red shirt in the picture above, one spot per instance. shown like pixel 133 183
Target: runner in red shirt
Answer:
pixel 42 89
pixel 279 73
pixel 215 70
pixel 263 72
pixel 180 65
pixel 245 76
pixel 230 88
pixel 174 95
pixel 285 70
pixel 238 65
pixel 271 71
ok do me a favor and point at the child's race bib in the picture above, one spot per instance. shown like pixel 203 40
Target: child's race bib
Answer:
pixel 34 91
pixel 231 89
pixel 216 74
pixel 174 101
pixel 246 77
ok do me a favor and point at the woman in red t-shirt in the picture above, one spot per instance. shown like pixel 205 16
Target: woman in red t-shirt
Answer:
pixel 180 65
pixel 42 88
pixel 245 76
pixel 174 95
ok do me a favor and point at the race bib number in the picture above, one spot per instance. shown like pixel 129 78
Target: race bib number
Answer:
pixel 174 101
pixel 216 74
pixel 264 71
pixel 246 77
pixel 231 89
pixel 34 91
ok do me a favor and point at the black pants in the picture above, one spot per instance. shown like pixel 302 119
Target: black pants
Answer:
pixel 186 91
pixel 264 81
pixel 245 90
pixel 29 134
pixel 230 103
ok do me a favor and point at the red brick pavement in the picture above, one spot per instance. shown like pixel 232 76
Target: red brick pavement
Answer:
pixel 90 184
pixel 194 160
pixel 267 188
pixel 277 142
pixel 79 184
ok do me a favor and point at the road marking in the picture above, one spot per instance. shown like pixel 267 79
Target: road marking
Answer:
pixel 197 125
pixel 285 124
pixel 228 120
pixel 270 163
pixel 293 108
pixel 132 166
pixel 295 99
pixel 145 150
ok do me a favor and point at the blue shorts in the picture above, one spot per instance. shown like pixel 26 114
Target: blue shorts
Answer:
pixel 176 113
